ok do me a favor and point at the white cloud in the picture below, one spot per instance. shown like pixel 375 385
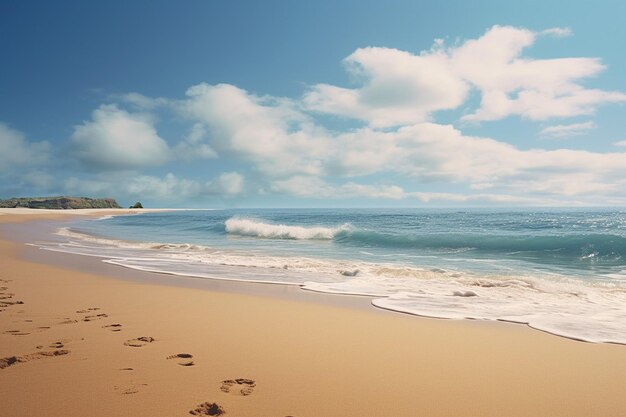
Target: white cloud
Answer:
pixel 41 180
pixel 620 143
pixel 432 153
pixel 141 102
pixel 268 131
pixel 484 198
pixel 167 188
pixel 228 183
pixel 194 145
pixel 397 87
pixel 426 152
pixel 105 187
pixel 314 187
pixel 116 139
pixel 557 32
pixel 296 156
pixel 17 153
pixel 574 129
pixel 535 89
pixel 401 88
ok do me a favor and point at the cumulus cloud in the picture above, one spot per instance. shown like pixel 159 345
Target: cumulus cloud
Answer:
pixel 167 188
pixel 535 89
pixel 16 151
pixel 311 187
pixel 425 151
pixel 195 144
pixel 397 87
pixel 117 139
pixel 39 179
pixel 23 164
pixel 431 152
pixel 574 129
pixel 400 88
pixel 141 102
pixel 317 188
pixel 228 183
pixel 558 32
pixel 296 156
pixel 269 131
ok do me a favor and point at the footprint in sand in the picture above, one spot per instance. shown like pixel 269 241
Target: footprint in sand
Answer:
pixel 239 386
pixel 129 389
pixel 116 327
pixel 208 409
pixel 88 310
pixel 54 345
pixel 5 303
pixel 26 332
pixel 16 333
pixel 13 360
pixel 139 342
pixel 95 317
pixel 182 356
pixel 4 296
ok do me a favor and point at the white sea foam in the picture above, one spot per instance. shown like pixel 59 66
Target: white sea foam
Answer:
pixel 584 310
pixel 250 227
pixel 107 217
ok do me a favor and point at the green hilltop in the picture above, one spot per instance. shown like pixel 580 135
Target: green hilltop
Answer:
pixel 59 203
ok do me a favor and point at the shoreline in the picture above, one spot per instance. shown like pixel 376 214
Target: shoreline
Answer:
pixel 254 281
pixel 83 263
pixel 272 289
pixel 307 356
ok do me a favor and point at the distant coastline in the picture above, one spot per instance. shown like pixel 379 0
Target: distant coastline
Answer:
pixel 60 202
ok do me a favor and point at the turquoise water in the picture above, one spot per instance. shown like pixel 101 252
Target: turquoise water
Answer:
pixel 559 270
pixel 588 244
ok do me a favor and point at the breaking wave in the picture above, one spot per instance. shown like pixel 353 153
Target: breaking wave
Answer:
pixel 581 249
pixel 254 228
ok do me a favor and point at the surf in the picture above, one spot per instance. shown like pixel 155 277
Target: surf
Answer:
pixel 255 228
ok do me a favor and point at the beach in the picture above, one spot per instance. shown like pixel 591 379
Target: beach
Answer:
pixel 102 340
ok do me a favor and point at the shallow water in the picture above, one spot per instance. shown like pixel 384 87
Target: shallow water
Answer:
pixel 561 271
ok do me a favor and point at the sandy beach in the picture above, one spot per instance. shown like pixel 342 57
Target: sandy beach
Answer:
pixel 75 340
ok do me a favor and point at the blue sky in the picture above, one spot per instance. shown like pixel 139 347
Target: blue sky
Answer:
pixel 318 104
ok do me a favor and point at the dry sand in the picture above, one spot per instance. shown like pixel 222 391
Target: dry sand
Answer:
pixel 81 345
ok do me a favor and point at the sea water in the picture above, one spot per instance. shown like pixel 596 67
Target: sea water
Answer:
pixel 558 270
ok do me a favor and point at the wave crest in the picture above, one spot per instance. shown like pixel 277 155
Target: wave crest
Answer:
pixel 249 227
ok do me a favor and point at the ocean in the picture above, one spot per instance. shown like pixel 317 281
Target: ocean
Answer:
pixel 562 271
